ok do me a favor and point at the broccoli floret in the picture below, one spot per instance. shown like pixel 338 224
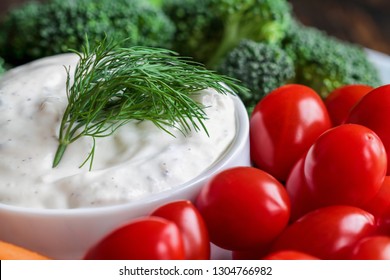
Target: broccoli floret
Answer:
pixel 157 3
pixel 207 29
pixel 324 63
pixel 36 30
pixel 260 67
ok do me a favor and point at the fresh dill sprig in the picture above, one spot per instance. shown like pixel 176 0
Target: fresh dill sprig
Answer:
pixel 114 85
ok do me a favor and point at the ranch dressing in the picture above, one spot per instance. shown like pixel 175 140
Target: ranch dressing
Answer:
pixel 138 160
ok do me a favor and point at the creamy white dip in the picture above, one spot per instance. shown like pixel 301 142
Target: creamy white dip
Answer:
pixel 138 160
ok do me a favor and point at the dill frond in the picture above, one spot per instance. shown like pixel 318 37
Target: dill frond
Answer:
pixel 114 85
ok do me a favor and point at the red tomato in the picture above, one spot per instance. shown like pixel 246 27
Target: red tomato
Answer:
pixel 380 203
pixel 151 238
pixel 384 223
pixel 372 248
pixel 247 255
pixel 346 165
pixel 340 101
pixel 243 207
pixel 289 255
pixel 373 111
pixel 300 196
pixel 195 236
pixel 283 125
pixel 327 233
pixel 253 253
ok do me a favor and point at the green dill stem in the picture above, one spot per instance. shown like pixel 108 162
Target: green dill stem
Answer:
pixel 59 153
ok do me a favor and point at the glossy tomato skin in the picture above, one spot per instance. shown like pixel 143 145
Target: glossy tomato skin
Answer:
pixel 379 205
pixel 301 198
pixel 373 111
pixel 149 238
pixel 283 125
pixel 340 101
pixel 289 255
pixel 346 165
pixel 372 248
pixel 190 223
pixel 243 207
pixel 383 223
pixel 327 233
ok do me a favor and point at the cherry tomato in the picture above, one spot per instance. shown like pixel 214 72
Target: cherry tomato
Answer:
pixel 253 253
pixel 151 238
pixel 373 111
pixel 283 125
pixel 327 233
pixel 372 248
pixel 195 236
pixel 243 207
pixel 340 101
pixel 384 223
pixel 289 255
pixel 346 165
pixel 380 203
pixel 301 198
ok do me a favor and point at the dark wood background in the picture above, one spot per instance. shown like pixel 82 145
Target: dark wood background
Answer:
pixel 366 22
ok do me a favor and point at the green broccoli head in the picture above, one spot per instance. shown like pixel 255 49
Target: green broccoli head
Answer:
pixel 325 63
pixel 207 29
pixel 157 3
pixel 261 20
pixel 41 29
pixel 198 29
pixel 261 67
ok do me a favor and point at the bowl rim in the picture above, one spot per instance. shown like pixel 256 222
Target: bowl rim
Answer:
pixel 240 139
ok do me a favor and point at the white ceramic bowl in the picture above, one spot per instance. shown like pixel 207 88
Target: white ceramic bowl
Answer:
pixel 68 233
pixel 382 62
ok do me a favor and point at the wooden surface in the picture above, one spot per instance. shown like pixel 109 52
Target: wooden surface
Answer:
pixel 366 22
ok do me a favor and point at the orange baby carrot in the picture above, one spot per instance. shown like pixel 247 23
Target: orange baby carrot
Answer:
pixel 10 251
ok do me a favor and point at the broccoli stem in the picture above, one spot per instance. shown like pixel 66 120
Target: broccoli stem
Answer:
pixel 229 41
